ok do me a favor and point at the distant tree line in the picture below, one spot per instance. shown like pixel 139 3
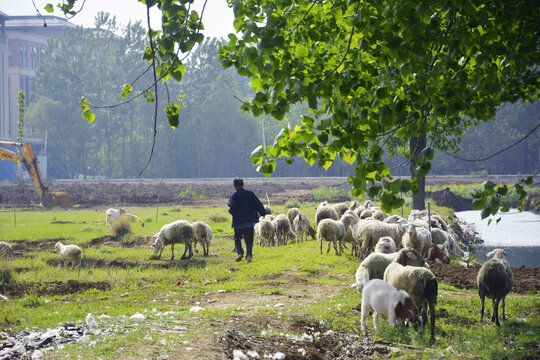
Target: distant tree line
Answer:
pixel 213 138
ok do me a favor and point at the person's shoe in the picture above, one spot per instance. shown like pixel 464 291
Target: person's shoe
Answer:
pixel 239 257
pixel 248 258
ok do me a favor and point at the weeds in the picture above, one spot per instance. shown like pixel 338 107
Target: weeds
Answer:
pixel 328 193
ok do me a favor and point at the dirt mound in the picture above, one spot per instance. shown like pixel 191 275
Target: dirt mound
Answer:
pixel 52 287
pixel 26 246
pixel 525 279
pixel 316 343
pixel 449 199
pixel 92 263
pixel 118 241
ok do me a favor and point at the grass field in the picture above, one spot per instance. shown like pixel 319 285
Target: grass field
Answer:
pixel 284 286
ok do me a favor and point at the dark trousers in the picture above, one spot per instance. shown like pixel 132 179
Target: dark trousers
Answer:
pixel 247 234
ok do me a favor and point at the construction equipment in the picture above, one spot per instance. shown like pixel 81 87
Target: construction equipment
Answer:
pixel 30 162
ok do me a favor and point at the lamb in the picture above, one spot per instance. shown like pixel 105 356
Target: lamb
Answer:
pixel 324 211
pixel 438 253
pixel 440 237
pixel 366 214
pixel 495 280
pixel 386 245
pixel 379 215
pixel 419 282
pixel 334 232
pixel 375 264
pixel 301 225
pixel 6 251
pixel 118 221
pixel 371 231
pixel 69 254
pixel 202 233
pixel 292 212
pixel 394 219
pixel 354 205
pixel 282 228
pixel 177 232
pixel 417 237
pixel 383 298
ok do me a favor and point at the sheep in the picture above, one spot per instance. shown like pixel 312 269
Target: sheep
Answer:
pixel 383 298
pixel 202 233
pixel 69 254
pixel 379 215
pixel 282 228
pixel 368 203
pixel 438 253
pixel 6 251
pixel 301 225
pixel 266 232
pixel 417 237
pixel 494 280
pixel 366 214
pixel 354 205
pixel 394 219
pixel 340 208
pixel 386 245
pixel 371 231
pixel 267 209
pixel 177 232
pixel 292 212
pixel 419 282
pixel 440 237
pixel 375 264
pixel 334 231
pixel 117 220
pixel 324 211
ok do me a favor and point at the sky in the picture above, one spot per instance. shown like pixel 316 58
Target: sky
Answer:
pixel 217 17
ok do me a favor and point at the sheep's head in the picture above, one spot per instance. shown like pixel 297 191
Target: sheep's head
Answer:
pixel 58 246
pixel 438 253
pixel 409 256
pixel 497 254
pixel 157 245
pixel 406 309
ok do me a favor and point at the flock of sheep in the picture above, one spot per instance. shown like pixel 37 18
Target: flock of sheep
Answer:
pixel 393 252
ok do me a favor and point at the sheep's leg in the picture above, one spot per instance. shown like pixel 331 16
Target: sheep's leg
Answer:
pixel 160 251
pixel 172 250
pixel 376 320
pixel 328 250
pixel 365 310
pixel 503 316
pixel 320 243
pixel 336 249
pixel 195 247
pixel 432 319
pixel 482 308
pixel 205 248
pixel 496 311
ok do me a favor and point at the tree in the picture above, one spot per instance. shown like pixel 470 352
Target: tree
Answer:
pixel 372 73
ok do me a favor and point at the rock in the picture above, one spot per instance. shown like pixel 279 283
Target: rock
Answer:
pixel 91 322
pixel 138 316
pixel 37 355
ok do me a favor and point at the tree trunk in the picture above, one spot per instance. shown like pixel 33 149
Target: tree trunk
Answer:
pixel 416 145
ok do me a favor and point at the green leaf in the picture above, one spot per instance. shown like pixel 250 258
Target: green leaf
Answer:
pixel 257 155
pixel 173 113
pixel 126 90
pixel 489 185
pixel 49 8
pixel 89 116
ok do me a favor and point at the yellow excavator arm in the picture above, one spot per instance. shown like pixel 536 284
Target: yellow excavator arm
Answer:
pixel 30 161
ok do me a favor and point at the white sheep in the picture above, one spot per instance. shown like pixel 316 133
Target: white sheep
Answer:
pixel 371 231
pixel 202 233
pixel 340 208
pixel 394 219
pixel 495 280
pixel 373 266
pixel 417 237
pixel 386 245
pixel 334 232
pixel 354 205
pixel 383 298
pixel 380 215
pixel 266 232
pixel 6 251
pixel 301 226
pixel 282 228
pixel 419 282
pixel 114 215
pixel 177 232
pixel 440 237
pixel 69 254
pixel 324 211
pixel 292 212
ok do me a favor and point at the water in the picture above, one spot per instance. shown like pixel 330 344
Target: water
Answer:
pixel 517 233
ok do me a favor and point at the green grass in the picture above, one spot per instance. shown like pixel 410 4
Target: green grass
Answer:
pixel 154 291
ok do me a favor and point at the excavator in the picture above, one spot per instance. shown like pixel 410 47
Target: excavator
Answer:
pixel 30 161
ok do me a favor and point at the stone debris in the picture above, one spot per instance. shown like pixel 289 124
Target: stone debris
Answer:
pixel 33 344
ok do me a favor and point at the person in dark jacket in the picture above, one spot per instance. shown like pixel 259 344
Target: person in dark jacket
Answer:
pixel 245 208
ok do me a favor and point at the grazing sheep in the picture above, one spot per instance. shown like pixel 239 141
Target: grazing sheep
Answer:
pixel 177 232
pixel 383 298
pixel 394 219
pixel 417 237
pixel 118 220
pixel 202 233
pixel 366 214
pixel 370 232
pixel 354 205
pixel 438 253
pixel 440 237
pixel 324 211
pixel 340 208
pixel 282 228
pixel 69 254
pixel 386 245
pixel 419 282
pixel 375 264
pixel 301 225
pixel 358 211
pixel 334 232
pixel 266 232
pixel 292 212
pixel 6 251
pixel 495 280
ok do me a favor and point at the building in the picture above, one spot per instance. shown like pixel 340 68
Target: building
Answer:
pixel 22 41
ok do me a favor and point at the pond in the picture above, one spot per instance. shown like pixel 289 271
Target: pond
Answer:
pixel 518 233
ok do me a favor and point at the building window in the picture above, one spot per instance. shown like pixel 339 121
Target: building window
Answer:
pixel 25 59
pixel 34 57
